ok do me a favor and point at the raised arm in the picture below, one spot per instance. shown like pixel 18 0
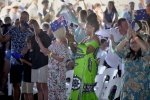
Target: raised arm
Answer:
pixel 46 51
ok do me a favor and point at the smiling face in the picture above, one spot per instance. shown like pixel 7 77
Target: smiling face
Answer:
pixel 134 46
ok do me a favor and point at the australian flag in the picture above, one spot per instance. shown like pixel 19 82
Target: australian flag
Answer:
pixel 140 14
pixel 58 24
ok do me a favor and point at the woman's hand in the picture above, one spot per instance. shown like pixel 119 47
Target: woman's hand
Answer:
pixel 37 39
pixel 70 37
pixel 111 37
pixel 129 32
pixel 22 60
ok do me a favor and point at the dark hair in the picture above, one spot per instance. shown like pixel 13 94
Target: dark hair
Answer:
pixel 113 9
pixel 132 53
pixel 103 40
pixel 91 17
pixel 25 12
pixel 119 23
pixel 45 1
pixel 92 20
pixel 28 39
pixel 34 22
pixel 6 19
pixel 131 2
pixel 82 15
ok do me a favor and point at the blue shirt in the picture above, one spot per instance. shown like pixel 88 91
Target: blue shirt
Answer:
pixel 18 41
pixel 128 16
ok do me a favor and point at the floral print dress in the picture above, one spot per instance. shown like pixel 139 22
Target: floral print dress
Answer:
pixel 57 72
pixel 137 70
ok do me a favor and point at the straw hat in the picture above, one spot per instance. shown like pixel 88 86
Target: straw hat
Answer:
pixel 15 5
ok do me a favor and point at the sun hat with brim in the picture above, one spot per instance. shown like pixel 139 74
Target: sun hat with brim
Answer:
pixel 15 5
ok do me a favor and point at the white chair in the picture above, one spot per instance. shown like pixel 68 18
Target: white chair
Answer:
pixel 99 79
pixel 101 69
pixel 69 74
pixel 117 82
pixel 112 73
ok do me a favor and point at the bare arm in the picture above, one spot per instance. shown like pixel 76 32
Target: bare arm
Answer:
pixel 26 62
pixel 4 38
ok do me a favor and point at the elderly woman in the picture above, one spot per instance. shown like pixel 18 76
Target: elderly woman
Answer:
pixel 58 53
pixel 135 83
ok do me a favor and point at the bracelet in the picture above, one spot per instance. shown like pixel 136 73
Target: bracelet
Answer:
pixel 50 53
pixel 126 39
pixel 135 38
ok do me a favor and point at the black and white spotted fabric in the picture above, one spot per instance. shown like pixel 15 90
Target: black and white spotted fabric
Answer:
pixel 18 40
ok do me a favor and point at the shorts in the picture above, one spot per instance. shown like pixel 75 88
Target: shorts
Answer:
pixel 7 54
pixel 27 87
pixel 39 75
pixel 16 73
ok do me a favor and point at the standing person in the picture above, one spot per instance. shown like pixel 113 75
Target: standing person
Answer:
pixel 7 47
pixel 135 83
pixel 17 36
pixel 112 60
pixel 44 15
pixel 39 61
pixel 110 16
pixel 27 85
pixel 14 14
pixel 58 54
pixel 85 68
pixel 141 4
pixel 33 10
pixel 128 14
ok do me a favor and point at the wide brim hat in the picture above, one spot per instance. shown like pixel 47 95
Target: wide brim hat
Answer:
pixel 15 5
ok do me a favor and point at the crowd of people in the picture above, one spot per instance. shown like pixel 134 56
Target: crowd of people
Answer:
pixel 93 39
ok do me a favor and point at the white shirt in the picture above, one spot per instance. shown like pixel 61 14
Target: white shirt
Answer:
pixel 112 59
pixel 101 54
pixel 14 16
pixel 33 11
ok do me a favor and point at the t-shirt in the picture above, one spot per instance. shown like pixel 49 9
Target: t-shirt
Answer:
pixel 18 41
pixel 27 69
pixel 39 59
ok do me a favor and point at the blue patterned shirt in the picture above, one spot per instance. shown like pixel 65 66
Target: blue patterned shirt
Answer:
pixel 18 41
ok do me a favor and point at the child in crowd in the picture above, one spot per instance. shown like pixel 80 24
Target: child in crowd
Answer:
pixel 46 28
pixel 101 54
pixel 27 85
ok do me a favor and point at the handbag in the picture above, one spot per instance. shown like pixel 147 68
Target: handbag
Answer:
pixel 131 83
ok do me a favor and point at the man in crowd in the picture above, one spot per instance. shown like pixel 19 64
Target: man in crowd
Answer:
pixel 39 61
pixel 17 36
pixel 112 60
pixel 33 10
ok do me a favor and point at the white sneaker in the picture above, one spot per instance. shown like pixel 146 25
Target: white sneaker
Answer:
pixel 2 93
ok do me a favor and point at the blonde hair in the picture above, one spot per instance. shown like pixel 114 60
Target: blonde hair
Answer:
pixel 60 34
